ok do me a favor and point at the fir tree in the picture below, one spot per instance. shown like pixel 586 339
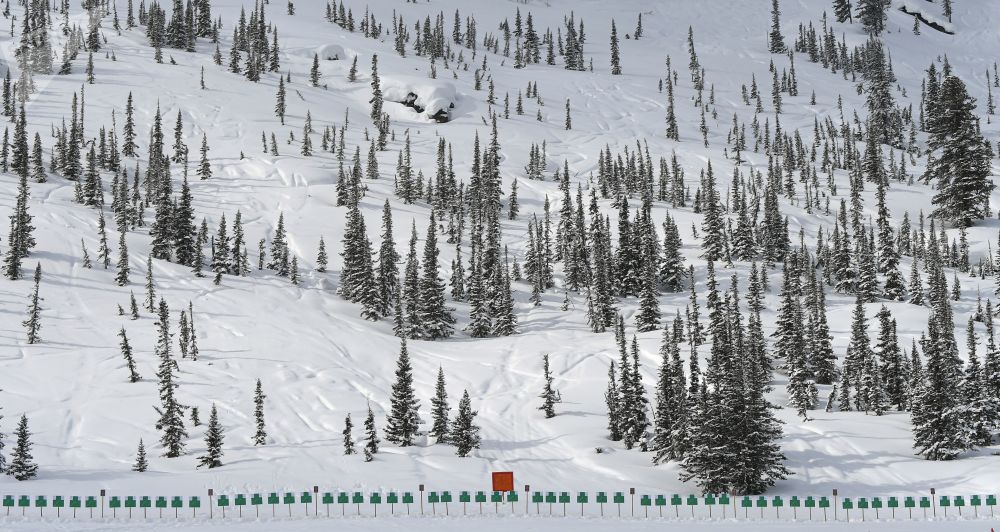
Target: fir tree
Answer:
pixel 121 277
pixel 439 410
pixel 141 463
pixel 548 395
pixel 775 40
pixel 260 436
pixel 435 318
pixel 127 355
pixel 22 465
pixel 213 442
pixel 961 167
pixel 616 68
pixel 403 421
pixel 348 439
pixel 171 412
pixel 464 431
pixel 371 436
pixel 33 323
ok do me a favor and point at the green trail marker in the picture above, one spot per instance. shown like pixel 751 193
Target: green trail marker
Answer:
pixel 446 498
pixel 144 502
pixel 114 503
pixel 564 500
pixel 407 500
pixel 375 499
pixel 537 498
pixel 619 500
pixel 41 503
pixel 660 502
pixel 645 502
pixel 130 503
pixel 327 501
pixel 272 499
pixel 194 503
pixel 550 498
pixel 511 498
pixel 59 503
pixel 358 499
pixel 289 500
pixel 795 503
pixel 161 503
pixel 343 499
pixel 602 498
pixel 90 502
pixel 223 503
pixel 675 501
pixel 392 499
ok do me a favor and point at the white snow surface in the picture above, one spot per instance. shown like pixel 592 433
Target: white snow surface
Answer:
pixel 319 361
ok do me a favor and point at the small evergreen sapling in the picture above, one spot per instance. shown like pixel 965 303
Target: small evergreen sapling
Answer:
pixel 141 463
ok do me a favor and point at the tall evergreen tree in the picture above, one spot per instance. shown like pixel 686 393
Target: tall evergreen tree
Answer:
pixel 33 323
pixel 260 436
pixel 213 442
pixel 961 157
pixel 403 422
pixel 371 436
pixel 133 375
pixel 171 412
pixel 348 438
pixel 548 395
pixel 22 463
pixel 439 409
pixel 435 318
pixel 464 431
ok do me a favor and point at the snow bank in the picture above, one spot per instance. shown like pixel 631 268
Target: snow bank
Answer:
pixel 431 97
pixel 929 19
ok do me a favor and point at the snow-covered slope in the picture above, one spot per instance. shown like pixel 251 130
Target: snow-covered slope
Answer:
pixel 319 360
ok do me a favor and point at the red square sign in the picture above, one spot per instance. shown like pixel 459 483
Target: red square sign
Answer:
pixel 503 481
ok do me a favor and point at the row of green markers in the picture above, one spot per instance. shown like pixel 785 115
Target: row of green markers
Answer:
pixel 547 503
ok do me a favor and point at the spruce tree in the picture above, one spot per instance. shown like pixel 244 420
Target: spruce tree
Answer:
pixel 348 438
pixel 775 40
pixel 961 157
pixel 435 318
pixel 260 436
pixel 464 431
pixel 872 14
pixel 371 436
pixel 548 395
pixel 171 412
pixel 842 11
pixel 213 442
pixel 616 68
pixel 940 427
pixel 403 422
pixel 133 375
pixel 141 463
pixel 439 410
pixel 33 323
pixel 22 465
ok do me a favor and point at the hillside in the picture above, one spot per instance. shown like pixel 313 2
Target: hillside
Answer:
pixel 319 360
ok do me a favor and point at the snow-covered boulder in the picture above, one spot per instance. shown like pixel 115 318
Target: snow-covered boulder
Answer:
pixel 430 97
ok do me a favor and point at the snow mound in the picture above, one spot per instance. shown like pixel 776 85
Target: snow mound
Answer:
pixel 431 97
